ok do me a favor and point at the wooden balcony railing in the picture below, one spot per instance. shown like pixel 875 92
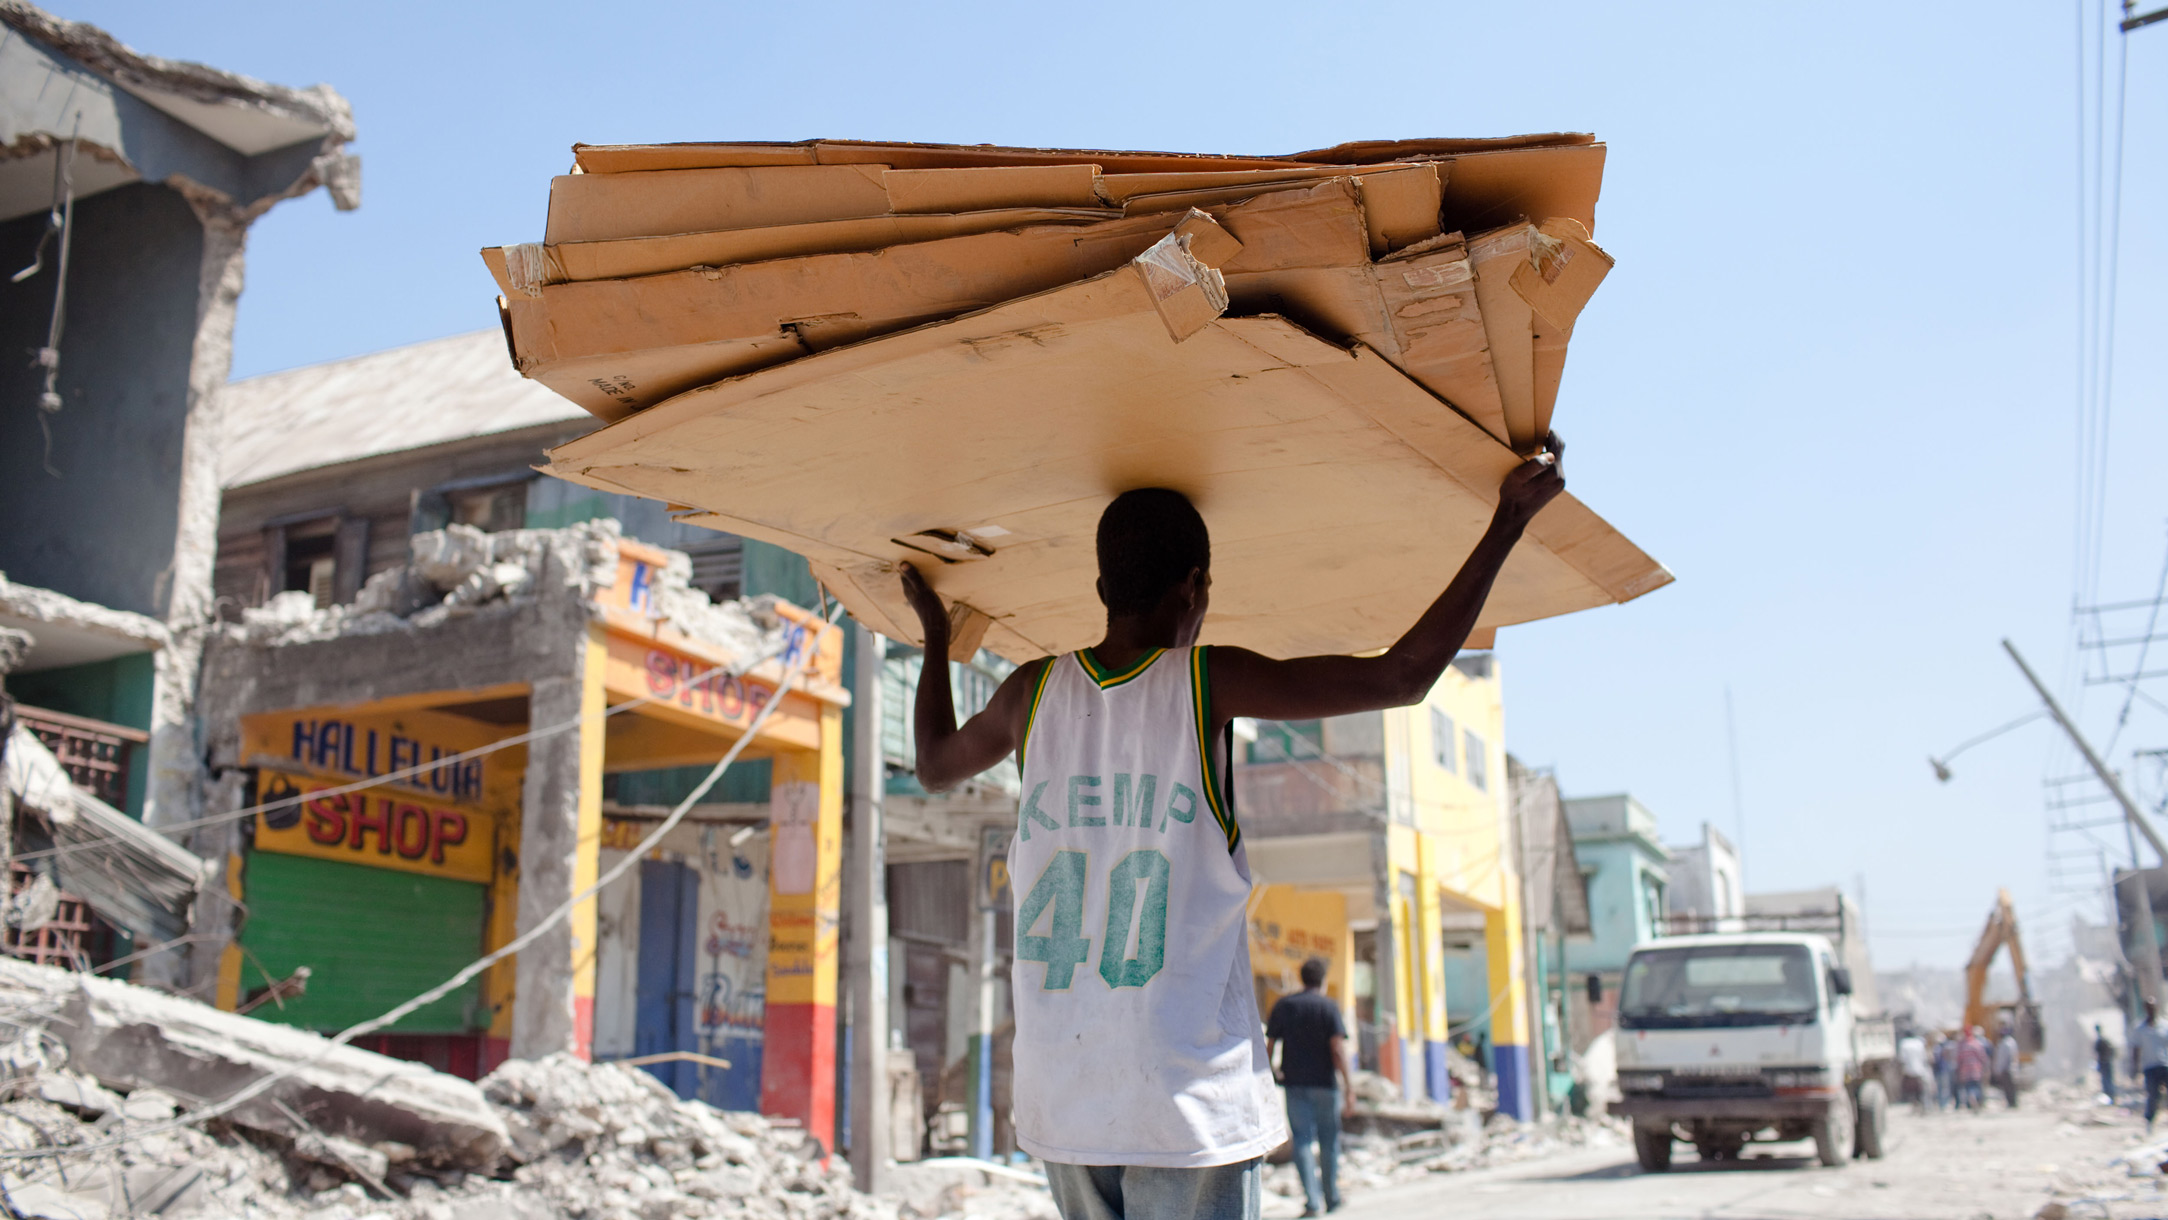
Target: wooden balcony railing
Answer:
pixel 93 752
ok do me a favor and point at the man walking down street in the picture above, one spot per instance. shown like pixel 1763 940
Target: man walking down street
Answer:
pixel 1919 1075
pixel 1945 1072
pixel 1972 1060
pixel 1306 1030
pixel 2149 1049
pixel 2104 1059
pixel 2006 1066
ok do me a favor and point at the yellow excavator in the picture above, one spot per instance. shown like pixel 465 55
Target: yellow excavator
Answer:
pixel 2024 1015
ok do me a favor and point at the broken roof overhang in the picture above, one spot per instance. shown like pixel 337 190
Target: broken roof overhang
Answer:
pixel 65 631
pixel 134 877
pixel 247 143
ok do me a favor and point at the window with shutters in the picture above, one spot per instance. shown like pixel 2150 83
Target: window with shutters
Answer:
pixel 1441 739
pixel 490 509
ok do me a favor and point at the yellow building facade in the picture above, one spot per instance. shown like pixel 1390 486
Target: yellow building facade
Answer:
pixel 1400 822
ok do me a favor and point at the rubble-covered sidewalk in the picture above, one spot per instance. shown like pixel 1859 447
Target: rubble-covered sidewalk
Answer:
pixel 92 1062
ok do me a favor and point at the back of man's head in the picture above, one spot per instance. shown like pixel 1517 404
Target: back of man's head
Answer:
pixel 1150 540
pixel 1313 972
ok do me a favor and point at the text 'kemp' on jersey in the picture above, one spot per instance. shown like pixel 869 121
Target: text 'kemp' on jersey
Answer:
pixel 1087 808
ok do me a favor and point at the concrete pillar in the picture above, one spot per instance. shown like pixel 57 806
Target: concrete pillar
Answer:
pixel 1426 916
pixel 1510 1059
pixel 560 838
pixel 175 756
pixel 867 900
pixel 805 885
pixel 1390 995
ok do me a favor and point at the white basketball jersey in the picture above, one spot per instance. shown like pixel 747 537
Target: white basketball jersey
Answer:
pixel 1137 1036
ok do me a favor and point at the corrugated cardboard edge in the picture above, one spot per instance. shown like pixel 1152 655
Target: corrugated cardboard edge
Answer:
pixel 622 158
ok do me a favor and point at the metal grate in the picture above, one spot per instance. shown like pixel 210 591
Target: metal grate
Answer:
pixel 92 752
pixel 63 940
pixel 719 567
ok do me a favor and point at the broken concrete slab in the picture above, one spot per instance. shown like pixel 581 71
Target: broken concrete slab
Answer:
pixel 129 1038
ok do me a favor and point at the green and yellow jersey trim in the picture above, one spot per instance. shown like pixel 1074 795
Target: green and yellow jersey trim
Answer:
pixel 1031 717
pixel 1107 678
pixel 1215 792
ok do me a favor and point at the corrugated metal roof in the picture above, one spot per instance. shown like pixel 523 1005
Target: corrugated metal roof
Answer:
pixel 385 402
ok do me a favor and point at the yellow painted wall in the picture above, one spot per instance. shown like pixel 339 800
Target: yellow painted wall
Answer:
pixel 1288 926
pixel 1459 849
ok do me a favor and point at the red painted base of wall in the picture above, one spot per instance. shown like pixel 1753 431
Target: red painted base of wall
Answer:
pixel 494 1052
pixel 462 1055
pixel 798 1068
pixel 583 1027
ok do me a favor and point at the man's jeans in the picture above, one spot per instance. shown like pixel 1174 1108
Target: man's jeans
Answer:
pixel 1132 1192
pixel 2156 1085
pixel 1313 1116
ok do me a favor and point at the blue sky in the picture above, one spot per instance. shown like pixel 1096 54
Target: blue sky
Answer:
pixel 1831 383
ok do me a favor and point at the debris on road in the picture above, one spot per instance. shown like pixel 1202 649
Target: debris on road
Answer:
pixel 353 1135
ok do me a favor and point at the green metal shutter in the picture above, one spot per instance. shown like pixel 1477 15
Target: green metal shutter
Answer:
pixel 371 937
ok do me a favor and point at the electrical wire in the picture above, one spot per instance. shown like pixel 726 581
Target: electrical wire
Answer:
pixel 2145 646
pixel 563 911
pixel 375 781
pixel 2106 311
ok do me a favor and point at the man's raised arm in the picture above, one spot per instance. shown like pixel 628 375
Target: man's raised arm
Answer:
pixel 948 755
pixel 1245 683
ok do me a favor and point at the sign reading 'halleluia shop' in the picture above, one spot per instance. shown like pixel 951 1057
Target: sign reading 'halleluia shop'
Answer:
pixel 430 811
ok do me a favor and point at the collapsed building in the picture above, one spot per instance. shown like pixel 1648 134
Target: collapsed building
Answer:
pixel 127 187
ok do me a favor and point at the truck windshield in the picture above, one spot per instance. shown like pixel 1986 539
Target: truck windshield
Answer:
pixel 1718 985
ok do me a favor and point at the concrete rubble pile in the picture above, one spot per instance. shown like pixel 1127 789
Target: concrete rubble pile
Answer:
pixel 461 570
pixel 1393 1139
pixel 358 1136
pixel 784 340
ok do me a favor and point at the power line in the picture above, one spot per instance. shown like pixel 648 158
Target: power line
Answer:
pixel 564 910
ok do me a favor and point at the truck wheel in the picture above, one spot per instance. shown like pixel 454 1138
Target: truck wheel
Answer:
pixel 1652 1147
pixel 1873 1119
pixel 1833 1134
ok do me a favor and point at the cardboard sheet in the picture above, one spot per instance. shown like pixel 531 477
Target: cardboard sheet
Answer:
pixel 707 322
pixel 1341 495
pixel 1118 189
pixel 994 186
pixel 1507 326
pixel 623 158
pixel 1485 190
pixel 1563 271
pixel 626 257
pixel 614 346
pixel 598 207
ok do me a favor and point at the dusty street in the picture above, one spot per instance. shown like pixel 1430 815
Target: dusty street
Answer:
pixel 2002 1164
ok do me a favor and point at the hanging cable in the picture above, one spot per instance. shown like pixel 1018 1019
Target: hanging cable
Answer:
pixel 2106 274
pixel 59 223
pixel 632 857
pixel 2145 646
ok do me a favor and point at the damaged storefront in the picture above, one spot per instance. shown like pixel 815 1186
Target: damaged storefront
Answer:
pixel 428 763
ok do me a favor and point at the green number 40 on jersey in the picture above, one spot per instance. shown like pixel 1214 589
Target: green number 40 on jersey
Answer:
pixel 1057 898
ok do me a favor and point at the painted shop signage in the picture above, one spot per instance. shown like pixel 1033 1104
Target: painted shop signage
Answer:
pixel 416 752
pixel 381 827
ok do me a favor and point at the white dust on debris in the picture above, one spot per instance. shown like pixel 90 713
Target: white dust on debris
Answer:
pixel 589 1142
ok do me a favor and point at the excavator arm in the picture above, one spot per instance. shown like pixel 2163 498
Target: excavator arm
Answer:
pixel 2001 933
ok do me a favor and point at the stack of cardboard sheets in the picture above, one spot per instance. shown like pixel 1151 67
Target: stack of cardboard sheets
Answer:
pixel 954 356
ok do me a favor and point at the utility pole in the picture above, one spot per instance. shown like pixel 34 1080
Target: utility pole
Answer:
pixel 866 898
pixel 2148 946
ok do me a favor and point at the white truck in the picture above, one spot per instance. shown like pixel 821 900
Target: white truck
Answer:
pixel 1754 1032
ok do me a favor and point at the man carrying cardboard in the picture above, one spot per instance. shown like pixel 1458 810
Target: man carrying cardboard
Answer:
pixel 1141 1075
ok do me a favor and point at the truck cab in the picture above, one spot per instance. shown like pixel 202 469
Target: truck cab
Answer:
pixel 1728 1038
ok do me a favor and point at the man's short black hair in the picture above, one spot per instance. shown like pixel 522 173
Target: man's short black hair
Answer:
pixel 1313 972
pixel 1150 540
